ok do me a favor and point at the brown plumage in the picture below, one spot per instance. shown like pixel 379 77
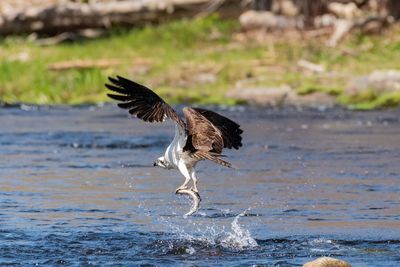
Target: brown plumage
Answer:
pixel 205 139
pixel 229 129
pixel 207 132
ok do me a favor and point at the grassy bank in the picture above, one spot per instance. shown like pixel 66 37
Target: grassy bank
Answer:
pixel 193 61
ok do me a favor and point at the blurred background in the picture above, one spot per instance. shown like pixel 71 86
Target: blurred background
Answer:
pixel 78 186
pixel 263 52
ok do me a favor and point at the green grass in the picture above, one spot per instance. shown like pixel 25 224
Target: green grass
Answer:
pixel 172 58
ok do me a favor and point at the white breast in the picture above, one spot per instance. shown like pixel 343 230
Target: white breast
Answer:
pixel 175 149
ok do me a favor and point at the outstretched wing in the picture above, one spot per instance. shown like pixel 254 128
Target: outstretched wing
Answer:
pixel 141 101
pixel 230 130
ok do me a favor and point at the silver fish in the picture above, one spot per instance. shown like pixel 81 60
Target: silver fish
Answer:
pixel 195 197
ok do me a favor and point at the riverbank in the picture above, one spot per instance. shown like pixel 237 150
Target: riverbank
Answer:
pixel 204 61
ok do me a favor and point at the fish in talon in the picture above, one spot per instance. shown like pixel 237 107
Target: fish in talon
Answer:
pixel 195 197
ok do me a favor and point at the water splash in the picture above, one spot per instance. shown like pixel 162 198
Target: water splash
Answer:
pixel 239 238
pixel 210 234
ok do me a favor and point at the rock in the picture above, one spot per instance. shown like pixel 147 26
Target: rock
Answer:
pixel 387 81
pixel 327 262
pixel 344 11
pixel 281 96
pixel 325 20
pixel 310 66
pixel 205 78
pixel 286 8
pixel 261 96
pixel 315 100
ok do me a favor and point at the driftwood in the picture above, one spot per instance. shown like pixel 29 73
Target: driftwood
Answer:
pixel 345 11
pixel 341 28
pixel 84 34
pixel 266 20
pixel 374 23
pixel 84 64
pixel 72 16
pixel 138 65
pixel 313 67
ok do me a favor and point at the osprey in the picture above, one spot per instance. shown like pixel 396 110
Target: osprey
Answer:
pixel 202 137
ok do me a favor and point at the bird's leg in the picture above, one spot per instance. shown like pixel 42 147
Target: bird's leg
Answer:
pixel 183 169
pixel 183 186
pixel 194 178
pixel 194 187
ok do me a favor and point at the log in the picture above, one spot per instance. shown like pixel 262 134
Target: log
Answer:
pixel 84 64
pixel 85 34
pixel 344 26
pixel 251 20
pixel 313 67
pixel 72 16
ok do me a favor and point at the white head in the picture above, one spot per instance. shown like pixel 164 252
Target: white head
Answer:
pixel 161 162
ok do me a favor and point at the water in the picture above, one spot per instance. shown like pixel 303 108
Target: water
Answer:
pixel 78 188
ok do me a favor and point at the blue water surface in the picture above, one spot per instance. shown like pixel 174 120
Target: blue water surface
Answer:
pixel 78 188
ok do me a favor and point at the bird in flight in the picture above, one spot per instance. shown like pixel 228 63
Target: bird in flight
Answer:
pixel 202 137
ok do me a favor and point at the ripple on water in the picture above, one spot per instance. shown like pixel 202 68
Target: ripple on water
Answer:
pixel 79 139
pixel 207 244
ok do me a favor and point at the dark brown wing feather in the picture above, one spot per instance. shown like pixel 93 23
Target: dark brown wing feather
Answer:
pixel 204 136
pixel 230 130
pixel 141 101
pixel 204 140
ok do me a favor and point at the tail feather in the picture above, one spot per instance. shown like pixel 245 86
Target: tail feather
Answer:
pixel 213 157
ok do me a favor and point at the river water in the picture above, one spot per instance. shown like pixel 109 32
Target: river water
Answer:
pixel 78 188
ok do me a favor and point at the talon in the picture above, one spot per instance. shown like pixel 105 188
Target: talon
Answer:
pixel 194 190
pixel 198 195
pixel 180 188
